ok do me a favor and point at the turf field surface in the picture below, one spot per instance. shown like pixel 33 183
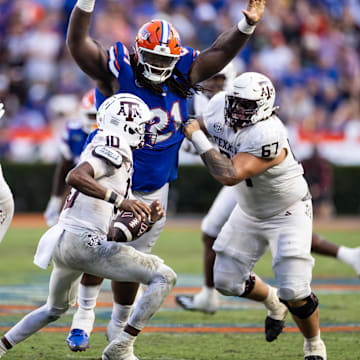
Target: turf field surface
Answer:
pixel 234 332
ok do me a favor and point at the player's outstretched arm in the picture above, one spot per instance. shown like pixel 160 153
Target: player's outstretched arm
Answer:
pixel 227 45
pixel 228 171
pixel 88 54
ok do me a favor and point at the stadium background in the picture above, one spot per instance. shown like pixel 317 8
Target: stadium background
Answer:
pixel 310 49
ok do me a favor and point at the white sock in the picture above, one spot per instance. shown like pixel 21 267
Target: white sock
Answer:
pixel 346 255
pixel 85 315
pixel 120 314
pixel 309 343
pixel 208 291
pixel 273 304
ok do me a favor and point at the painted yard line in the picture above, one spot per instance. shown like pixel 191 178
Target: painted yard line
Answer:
pixel 36 220
pixel 189 329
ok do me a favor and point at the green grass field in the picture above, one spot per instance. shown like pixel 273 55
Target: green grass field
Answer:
pixel 182 250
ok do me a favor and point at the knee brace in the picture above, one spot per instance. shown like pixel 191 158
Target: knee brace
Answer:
pixel 249 285
pixel 306 310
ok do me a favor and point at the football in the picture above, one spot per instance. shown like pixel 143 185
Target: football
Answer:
pixel 126 227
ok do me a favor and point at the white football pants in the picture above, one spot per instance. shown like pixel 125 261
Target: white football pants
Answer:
pixel 93 254
pixel 244 239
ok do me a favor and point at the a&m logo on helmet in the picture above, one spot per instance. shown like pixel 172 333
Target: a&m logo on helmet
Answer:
pixel 130 110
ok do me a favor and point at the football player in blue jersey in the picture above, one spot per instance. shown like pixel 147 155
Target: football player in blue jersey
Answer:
pixel 163 73
pixel 72 144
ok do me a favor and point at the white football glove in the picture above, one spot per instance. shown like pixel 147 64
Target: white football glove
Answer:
pixel 2 110
pixel 52 210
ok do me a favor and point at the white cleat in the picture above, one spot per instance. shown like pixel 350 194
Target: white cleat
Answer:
pixel 117 350
pixel 206 301
pixel 314 351
pixel 350 256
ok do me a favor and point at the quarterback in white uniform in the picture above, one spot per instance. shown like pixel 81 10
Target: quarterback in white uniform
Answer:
pixel 273 208
pixel 6 198
pixel 78 243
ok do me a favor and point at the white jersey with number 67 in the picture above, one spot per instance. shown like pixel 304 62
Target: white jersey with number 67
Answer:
pixel 277 188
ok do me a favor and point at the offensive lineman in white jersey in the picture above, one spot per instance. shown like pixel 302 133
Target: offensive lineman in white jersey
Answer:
pixel 78 243
pixel 273 203
pixel 6 198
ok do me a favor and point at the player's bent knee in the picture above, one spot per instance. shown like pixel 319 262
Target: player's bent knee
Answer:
pixel 168 275
pixel 226 286
pixel 55 313
pixel 304 311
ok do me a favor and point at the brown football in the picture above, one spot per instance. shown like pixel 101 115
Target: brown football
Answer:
pixel 126 227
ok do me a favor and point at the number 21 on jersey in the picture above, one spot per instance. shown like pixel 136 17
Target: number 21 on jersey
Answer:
pixel 165 124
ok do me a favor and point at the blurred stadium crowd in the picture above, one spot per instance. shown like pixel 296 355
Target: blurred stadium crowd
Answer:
pixel 309 48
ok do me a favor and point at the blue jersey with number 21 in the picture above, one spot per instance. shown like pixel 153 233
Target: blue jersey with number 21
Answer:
pixel 153 167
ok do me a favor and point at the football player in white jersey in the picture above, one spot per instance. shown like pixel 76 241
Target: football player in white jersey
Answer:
pixel 6 198
pixel 273 208
pixel 78 243
pixel 72 143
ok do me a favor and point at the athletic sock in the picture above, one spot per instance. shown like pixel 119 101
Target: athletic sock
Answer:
pixel 273 304
pixel 85 316
pixel 120 314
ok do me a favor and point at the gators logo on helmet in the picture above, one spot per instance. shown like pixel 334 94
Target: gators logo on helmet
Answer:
pixel 157 48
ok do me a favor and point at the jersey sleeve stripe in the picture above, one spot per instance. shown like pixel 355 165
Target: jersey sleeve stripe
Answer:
pixel 116 58
pixel 112 60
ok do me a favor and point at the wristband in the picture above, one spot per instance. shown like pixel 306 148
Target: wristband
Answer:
pixel 86 5
pixel 244 27
pixel 113 198
pixel 201 142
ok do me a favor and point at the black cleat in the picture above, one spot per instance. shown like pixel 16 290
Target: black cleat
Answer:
pixel 273 329
pixel 313 357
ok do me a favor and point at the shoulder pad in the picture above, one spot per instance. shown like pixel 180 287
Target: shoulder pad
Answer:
pixel 108 153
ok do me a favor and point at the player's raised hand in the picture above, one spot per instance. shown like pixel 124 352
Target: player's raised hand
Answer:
pixel 139 208
pixel 157 211
pixel 190 127
pixel 2 110
pixel 254 11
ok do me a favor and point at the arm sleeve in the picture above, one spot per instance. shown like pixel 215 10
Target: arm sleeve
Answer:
pixel 265 142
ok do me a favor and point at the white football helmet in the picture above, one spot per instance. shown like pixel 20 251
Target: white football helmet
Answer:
pixel 126 115
pixel 249 99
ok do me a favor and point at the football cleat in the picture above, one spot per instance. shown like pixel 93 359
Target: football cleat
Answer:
pixel 78 340
pixel 273 328
pixel 205 301
pixel 117 350
pixel 314 351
